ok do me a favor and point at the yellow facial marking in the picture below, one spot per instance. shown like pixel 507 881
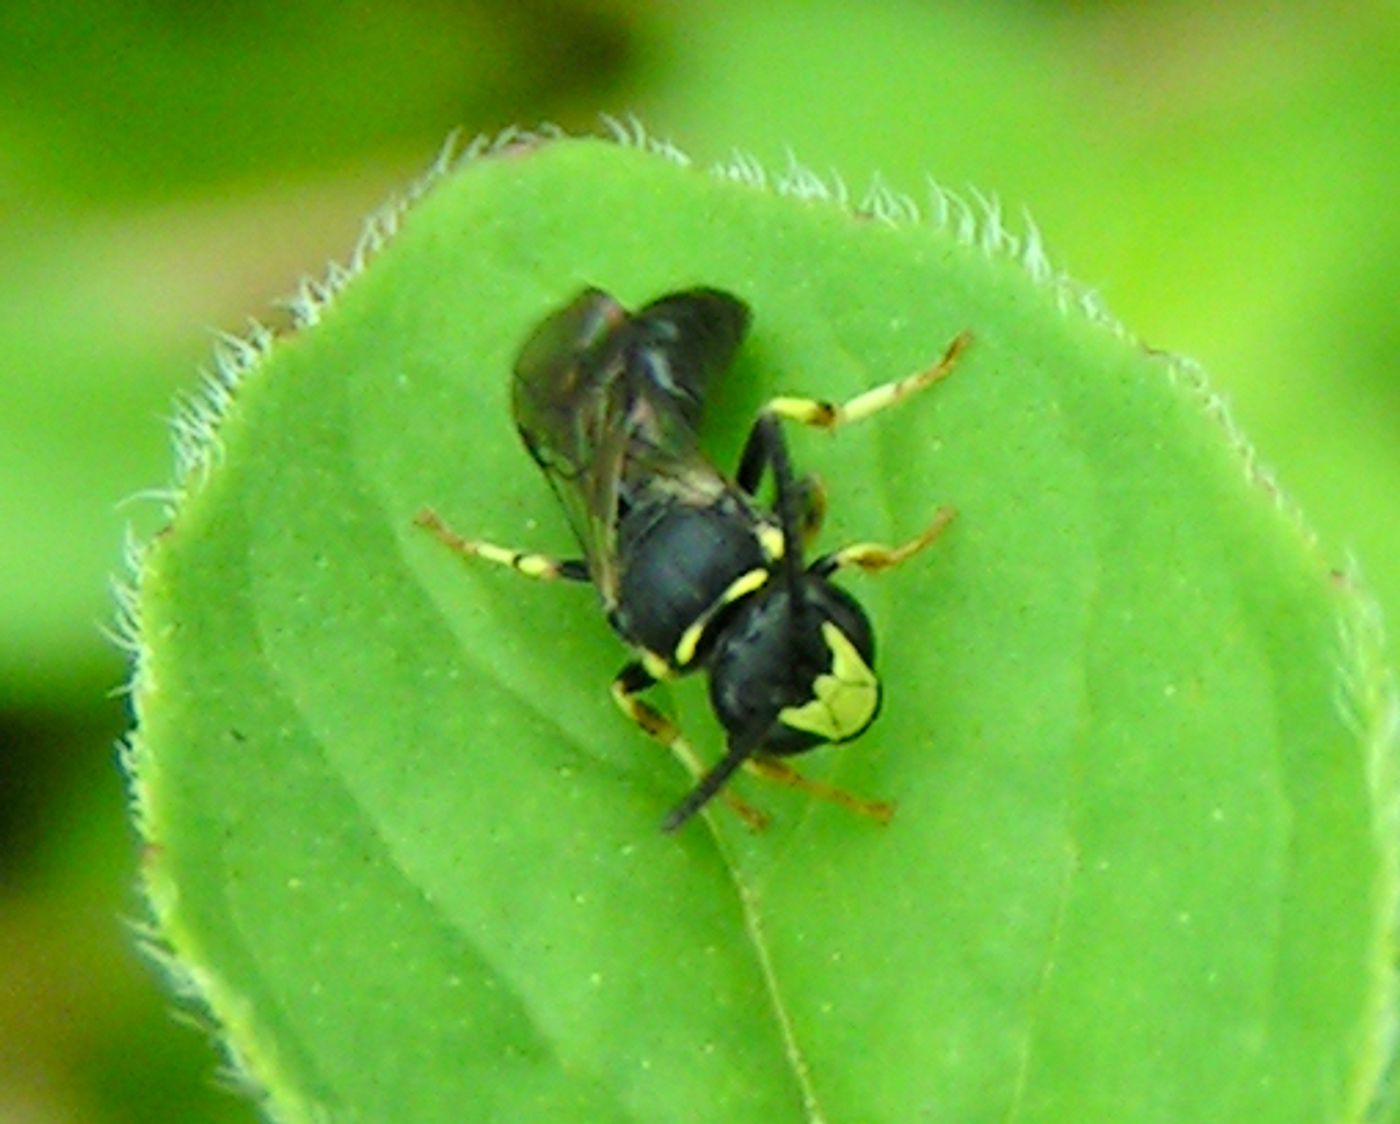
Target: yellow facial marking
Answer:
pixel 843 700
pixel 741 586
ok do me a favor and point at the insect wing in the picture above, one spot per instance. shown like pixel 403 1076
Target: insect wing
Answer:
pixel 607 401
pixel 569 405
pixel 684 340
pixel 675 347
pixel 559 370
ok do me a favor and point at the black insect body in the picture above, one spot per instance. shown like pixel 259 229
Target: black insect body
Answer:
pixel 692 570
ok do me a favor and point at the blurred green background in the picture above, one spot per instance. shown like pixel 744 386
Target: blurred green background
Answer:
pixel 1225 175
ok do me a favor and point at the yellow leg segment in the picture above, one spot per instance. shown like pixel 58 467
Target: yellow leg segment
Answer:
pixel 661 729
pixel 830 415
pixel 774 769
pixel 522 562
pixel 873 557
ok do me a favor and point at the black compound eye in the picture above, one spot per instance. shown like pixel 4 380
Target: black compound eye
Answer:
pixel 805 679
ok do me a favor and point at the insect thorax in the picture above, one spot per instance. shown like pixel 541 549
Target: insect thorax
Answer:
pixel 681 566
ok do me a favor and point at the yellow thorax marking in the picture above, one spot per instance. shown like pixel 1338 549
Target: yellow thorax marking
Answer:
pixel 770 539
pixel 843 700
pixel 741 586
pixel 655 665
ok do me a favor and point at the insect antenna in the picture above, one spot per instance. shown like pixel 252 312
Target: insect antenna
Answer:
pixel 740 750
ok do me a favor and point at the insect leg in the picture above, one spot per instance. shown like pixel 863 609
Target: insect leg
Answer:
pixel 830 415
pixel 758 453
pixel 808 492
pixel 809 495
pixel 522 562
pixel 800 508
pixel 873 557
pixel 772 769
pixel 626 686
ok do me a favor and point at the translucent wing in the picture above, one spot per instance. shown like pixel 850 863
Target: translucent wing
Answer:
pixel 608 403
pixel 683 341
pixel 569 402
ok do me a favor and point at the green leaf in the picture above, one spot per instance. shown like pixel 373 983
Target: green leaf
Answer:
pixel 1144 865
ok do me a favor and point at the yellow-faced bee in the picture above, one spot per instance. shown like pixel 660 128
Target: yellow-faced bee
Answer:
pixel 693 571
